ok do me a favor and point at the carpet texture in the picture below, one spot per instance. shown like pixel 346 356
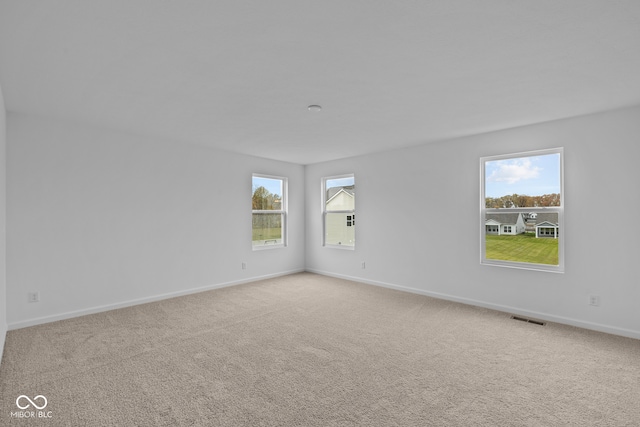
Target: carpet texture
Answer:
pixel 309 350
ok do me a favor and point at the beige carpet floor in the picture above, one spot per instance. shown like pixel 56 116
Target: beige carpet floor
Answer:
pixel 308 350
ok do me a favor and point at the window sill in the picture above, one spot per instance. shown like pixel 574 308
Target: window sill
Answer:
pixel 343 247
pixel 267 247
pixel 525 266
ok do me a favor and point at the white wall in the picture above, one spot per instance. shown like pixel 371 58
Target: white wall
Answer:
pixel 3 223
pixel 98 219
pixel 417 226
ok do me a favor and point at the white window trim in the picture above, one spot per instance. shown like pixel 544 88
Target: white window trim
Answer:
pixel 323 191
pixel 555 209
pixel 284 209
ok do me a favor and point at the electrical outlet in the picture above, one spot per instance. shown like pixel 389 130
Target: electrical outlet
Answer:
pixel 34 296
pixel 363 265
pixel 594 300
pixel 244 265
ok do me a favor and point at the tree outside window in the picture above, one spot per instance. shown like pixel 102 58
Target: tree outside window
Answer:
pixel 268 202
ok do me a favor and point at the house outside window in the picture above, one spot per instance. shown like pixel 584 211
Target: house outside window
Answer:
pixel 269 212
pixel 338 211
pixel 522 210
pixel 351 220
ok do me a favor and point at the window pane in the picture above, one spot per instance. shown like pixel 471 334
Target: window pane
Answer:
pixel 340 194
pixel 339 231
pixel 267 194
pixel 339 211
pixel 531 181
pixel 267 229
pixel 522 237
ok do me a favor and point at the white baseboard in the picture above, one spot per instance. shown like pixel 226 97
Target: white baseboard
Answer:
pixel 129 303
pixel 507 309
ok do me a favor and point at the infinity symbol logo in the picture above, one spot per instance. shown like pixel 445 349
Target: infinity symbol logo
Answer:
pixel 31 402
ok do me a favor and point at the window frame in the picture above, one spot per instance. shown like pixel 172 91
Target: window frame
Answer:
pixel 283 211
pixel 559 210
pixel 324 212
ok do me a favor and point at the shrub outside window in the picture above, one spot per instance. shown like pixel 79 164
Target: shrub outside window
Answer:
pixel 522 210
pixel 269 211
pixel 338 211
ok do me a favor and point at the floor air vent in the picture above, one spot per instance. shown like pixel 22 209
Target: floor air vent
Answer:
pixel 523 319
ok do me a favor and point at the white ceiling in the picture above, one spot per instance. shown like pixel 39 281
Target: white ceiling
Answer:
pixel 239 74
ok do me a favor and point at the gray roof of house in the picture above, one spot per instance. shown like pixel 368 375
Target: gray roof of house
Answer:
pixel 551 217
pixel 503 218
pixel 334 190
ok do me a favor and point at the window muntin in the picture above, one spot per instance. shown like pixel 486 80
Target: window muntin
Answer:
pixel 522 209
pixel 338 213
pixel 269 211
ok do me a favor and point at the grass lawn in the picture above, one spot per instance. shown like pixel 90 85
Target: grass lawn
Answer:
pixel 522 248
pixel 267 233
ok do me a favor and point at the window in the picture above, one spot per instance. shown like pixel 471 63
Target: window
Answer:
pixel 269 211
pixel 522 210
pixel 351 220
pixel 338 211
